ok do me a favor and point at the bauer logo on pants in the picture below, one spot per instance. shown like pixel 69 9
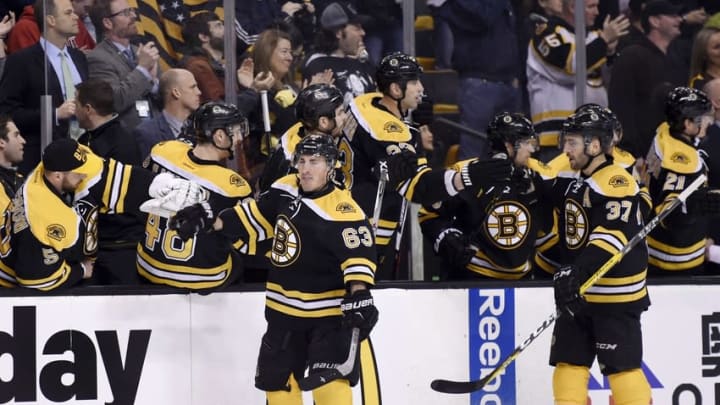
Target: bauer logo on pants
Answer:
pixel 491 338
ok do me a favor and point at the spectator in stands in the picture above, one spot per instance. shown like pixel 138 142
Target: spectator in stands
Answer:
pixel 272 54
pixel 82 9
pixel 442 34
pixel 705 61
pixel 6 24
pixel 11 153
pixel 205 58
pixel 181 96
pixel 551 67
pixel 641 77
pixel 485 55
pixel 27 32
pixel 107 137
pixel 339 47
pixel 131 70
pixel 253 17
pixel 23 81
pixel 384 30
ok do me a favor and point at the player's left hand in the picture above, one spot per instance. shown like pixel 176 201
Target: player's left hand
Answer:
pixel 359 311
pixel 566 285
pixel 401 166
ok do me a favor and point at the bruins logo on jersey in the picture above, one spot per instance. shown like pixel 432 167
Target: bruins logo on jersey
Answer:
pixel 618 181
pixel 680 158
pixel 56 231
pixel 236 180
pixel 576 225
pixel 344 207
pixel 508 224
pixel 391 127
pixel 89 214
pixel 286 243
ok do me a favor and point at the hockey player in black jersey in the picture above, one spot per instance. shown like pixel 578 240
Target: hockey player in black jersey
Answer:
pixel 206 261
pixel 53 219
pixel 677 246
pixel 492 234
pixel 600 213
pixel 11 153
pixel 319 109
pixel 323 255
pixel 376 132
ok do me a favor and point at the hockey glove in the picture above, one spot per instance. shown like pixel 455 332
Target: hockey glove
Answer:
pixel 704 202
pixel 453 248
pixel 423 114
pixel 359 312
pixel 401 166
pixel 483 174
pixel 566 285
pixel 193 219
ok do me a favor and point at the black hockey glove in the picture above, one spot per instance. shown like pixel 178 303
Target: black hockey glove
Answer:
pixel 482 174
pixel 401 166
pixel 192 219
pixel 454 249
pixel 566 285
pixel 359 312
pixel 423 114
pixel 704 201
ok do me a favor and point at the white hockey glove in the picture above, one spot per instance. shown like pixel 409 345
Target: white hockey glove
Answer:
pixel 171 194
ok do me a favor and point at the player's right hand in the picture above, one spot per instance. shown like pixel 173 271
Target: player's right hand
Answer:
pixel 193 219
pixel 566 285
pixel 480 174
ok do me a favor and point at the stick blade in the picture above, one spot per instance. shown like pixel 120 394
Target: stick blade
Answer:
pixel 314 381
pixel 457 387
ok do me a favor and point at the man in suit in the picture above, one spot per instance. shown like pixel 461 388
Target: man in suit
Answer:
pixel 181 96
pixel 131 70
pixel 23 81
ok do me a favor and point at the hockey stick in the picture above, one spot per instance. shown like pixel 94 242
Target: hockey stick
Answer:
pixel 379 196
pixel 317 380
pixel 464 387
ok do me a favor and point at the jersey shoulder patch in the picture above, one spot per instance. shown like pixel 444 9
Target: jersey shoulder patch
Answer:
pixel 380 124
pixel 336 206
pixel 676 155
pixel 613 181
pixel 290 139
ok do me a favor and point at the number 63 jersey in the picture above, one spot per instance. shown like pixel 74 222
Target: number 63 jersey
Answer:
pixel 321 242
pixel 600 214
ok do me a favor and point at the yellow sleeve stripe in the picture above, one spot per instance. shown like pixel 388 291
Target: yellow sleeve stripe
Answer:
pixel 408 190
pixel 108 186
pixel 627 280
pixel 667 201
pixel 424 215
pixel 369 280
pixel 123 189
pixel 265 226
pixel 249 228
pixel 664 247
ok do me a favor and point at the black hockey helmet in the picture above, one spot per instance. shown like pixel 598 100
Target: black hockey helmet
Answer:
pixel 215 115
pixel 397 68
pixel 685 103
pixel 590 123
pixel 315 101
pixel 509 127
pixel 616 124
pixel 317 144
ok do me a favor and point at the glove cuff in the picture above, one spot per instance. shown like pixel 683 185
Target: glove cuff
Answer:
pixel 441 237
pixel 465 175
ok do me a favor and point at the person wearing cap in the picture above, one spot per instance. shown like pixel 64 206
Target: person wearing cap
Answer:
pixel 53 242
pixel 641 77
pixel 375 133
pixel 339 47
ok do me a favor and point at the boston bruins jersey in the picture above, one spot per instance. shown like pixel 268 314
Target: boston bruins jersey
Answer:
pixel 51 233
pixel 551 76
pixel 205 260
pixel 600 214
pixel 11 181
pixel 369 136
pixel 321 242
pixel 678 243
pixel 501 226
